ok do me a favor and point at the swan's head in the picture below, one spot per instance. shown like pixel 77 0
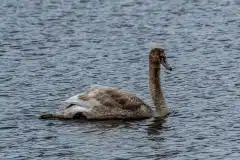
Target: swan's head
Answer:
pixel 157 56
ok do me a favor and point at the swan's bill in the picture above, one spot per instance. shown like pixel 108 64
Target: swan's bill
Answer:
pixel 165 64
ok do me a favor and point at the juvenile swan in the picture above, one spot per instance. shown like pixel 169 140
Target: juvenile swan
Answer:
pixel 113 103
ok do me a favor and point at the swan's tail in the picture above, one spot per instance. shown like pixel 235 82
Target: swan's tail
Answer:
pixel 70 112
pixel 46 116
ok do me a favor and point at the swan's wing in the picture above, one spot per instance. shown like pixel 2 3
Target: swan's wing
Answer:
pixel 91 97
pixel 108 97
pixel 114 97
pixel 129 101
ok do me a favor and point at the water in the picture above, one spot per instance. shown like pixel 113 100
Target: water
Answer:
pixel 51 50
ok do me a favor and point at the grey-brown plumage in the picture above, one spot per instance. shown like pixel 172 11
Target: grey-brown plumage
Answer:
pixel 113 103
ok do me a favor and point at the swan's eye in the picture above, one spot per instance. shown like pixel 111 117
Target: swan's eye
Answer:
pixel 163 57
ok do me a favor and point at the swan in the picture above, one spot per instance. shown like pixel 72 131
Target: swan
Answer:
pixel 113 103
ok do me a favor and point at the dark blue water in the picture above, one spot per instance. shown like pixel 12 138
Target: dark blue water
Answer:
pixel 52 49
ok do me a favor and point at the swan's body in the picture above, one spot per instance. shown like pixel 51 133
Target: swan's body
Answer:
pixel 104 103
pixel 113 103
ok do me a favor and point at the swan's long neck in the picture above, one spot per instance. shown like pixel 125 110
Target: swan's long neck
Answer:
pixel 156 90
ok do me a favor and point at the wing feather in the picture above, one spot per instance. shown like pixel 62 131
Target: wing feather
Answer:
pixel 114 97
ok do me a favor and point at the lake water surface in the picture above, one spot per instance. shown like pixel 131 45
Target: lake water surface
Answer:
pixel 53 49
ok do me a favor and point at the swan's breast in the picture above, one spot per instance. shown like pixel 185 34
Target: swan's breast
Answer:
pixel 146 110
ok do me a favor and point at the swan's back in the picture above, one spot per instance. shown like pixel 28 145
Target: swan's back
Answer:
pixel 105 103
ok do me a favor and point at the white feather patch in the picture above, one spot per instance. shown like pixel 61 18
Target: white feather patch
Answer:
pixel 71 111
pixel 74 100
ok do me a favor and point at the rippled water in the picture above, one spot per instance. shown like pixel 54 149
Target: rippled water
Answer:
pixel 52 49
